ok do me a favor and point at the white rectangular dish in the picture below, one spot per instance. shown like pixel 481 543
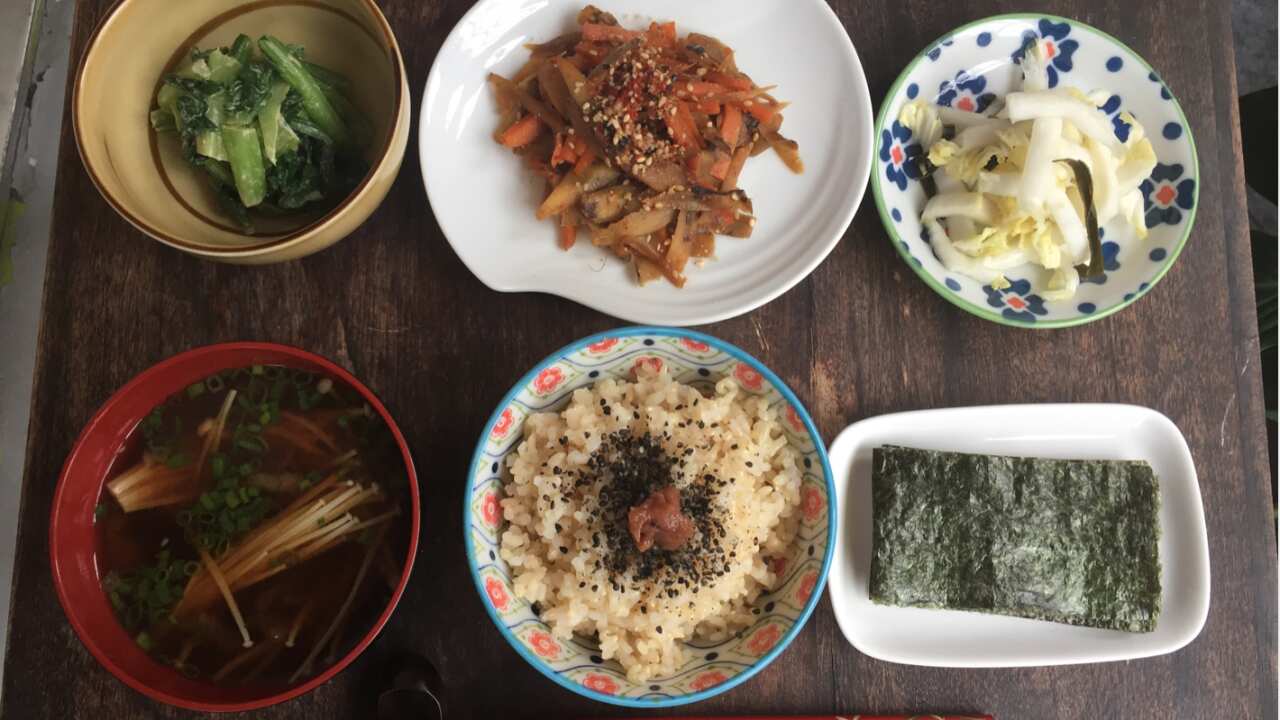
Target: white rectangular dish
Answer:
pixel 950 638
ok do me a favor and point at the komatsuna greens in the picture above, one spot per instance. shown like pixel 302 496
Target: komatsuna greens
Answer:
pixel 272 133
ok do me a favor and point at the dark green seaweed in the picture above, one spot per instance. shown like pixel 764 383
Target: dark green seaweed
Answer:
pixel 1070 541
pixel 926 168
pixel 1084 181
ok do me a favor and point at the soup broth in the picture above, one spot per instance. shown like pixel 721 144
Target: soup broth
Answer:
pixel 250 532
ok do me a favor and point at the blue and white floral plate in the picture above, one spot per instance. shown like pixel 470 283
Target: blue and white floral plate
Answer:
pixel 969 69
pixel 709 668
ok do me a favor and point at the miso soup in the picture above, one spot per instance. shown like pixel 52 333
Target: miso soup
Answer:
pixel 251 531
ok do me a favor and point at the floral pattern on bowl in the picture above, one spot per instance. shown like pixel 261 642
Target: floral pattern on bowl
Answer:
pixel 709 668
pixel 978 63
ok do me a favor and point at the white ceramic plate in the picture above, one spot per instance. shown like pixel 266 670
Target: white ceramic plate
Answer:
pixel 484 198
pixel 948 638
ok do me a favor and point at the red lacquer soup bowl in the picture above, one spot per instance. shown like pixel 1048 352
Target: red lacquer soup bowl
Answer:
pixel 74 539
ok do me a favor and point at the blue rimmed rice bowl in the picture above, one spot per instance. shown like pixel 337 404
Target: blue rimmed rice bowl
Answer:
pixel 794 571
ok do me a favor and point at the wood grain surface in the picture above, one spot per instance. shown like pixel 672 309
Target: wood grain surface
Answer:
pixel 861 337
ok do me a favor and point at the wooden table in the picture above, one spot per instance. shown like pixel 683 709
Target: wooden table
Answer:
pixel 861 337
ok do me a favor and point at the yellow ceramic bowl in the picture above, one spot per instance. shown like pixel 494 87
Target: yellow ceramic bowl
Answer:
pixel 143 175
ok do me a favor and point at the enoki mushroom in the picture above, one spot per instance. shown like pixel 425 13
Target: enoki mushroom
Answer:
pixel 316 522
pixel 341 617
pixel 152 483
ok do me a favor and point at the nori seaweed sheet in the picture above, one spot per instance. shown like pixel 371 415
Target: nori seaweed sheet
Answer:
pixel 1071 541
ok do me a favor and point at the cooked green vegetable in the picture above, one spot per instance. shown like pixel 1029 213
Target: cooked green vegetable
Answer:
pixel 145 596
pixel 273 133
pixel 328 77
pixel 1071 541
pixel 300 79
pixel 244 152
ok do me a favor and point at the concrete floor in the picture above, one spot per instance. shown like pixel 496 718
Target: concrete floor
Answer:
pixel 35 162
pixel 33 181
pixel 1253 22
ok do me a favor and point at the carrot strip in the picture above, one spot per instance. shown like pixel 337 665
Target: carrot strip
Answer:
pixel 584 161
pixel 566 150
pixel 312 428
pixel 296 439
pixel 700 87
pixel 742 96
pixel 547 115
pixel 730 180
pixel 587 55
pixel 683 130
pixel 662 35
pixel 708 106
pixel 733 82
pixel 761 112
pixel 730 125
pixel 595 32
pixel 568 236
pixel 720 168
pixel 523 132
